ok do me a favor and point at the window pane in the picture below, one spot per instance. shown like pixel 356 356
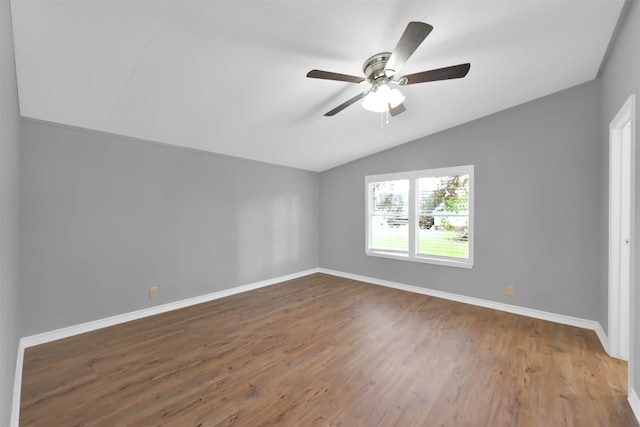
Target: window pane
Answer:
pixel 389 215
pixel 443 219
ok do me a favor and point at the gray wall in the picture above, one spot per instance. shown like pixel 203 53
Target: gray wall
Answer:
pixel 9 137
pixel 537 196
pixel 104 218
pixel 621 78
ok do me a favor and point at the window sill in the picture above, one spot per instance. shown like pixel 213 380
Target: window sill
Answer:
pixel 445 261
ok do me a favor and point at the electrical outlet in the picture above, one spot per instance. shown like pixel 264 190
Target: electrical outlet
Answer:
pixel 347 264
pixel 508 291
pixel 153 292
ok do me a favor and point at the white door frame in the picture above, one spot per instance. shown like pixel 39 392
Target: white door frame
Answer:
pixel 621 229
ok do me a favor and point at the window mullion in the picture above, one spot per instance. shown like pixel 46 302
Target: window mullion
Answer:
pixel 413 198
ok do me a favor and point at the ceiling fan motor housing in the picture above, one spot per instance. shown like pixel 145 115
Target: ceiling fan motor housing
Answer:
pixel 374 66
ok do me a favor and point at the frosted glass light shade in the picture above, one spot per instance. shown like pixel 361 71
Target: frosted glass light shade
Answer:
pixel 379 99
pixel 395 98
pixel 374 102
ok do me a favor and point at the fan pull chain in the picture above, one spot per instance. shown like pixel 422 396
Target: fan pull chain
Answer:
pixel 383 120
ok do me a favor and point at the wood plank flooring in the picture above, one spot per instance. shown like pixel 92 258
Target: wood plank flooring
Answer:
pixel 327 351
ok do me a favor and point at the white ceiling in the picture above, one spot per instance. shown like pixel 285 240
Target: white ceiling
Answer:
pixel 229 76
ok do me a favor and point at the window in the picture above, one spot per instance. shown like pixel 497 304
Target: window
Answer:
pixel 421 216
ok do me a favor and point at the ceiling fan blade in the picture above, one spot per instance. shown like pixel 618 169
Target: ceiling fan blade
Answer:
pixel 400 108
pixel 413 36
pixel 345 104
pixel 328 75
pixel 453 72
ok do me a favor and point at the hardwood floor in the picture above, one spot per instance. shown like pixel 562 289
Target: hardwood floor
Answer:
pixel 327 351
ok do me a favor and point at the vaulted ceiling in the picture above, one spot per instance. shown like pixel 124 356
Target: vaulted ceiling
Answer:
pixel 229 76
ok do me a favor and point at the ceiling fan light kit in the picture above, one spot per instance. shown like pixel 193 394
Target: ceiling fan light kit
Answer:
pixel 380 72
pixel 382 98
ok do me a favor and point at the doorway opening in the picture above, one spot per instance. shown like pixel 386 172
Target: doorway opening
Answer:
pixel 621 228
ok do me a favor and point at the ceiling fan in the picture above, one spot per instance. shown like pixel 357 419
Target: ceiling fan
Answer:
pixel 381 70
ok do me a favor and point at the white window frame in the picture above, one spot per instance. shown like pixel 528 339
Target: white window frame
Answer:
pixel 412 253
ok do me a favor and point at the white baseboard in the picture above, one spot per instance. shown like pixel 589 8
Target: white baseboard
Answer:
pixel 70 331
pixel 634 401
pixel 529 312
